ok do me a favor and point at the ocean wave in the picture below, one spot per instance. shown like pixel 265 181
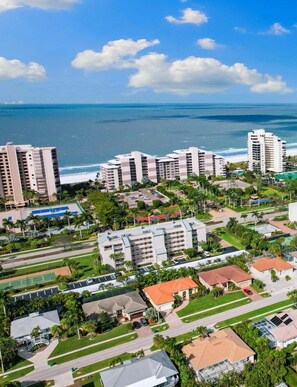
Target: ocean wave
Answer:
pixel 71 167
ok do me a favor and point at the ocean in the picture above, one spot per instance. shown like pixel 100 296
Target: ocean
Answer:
pixel 86 135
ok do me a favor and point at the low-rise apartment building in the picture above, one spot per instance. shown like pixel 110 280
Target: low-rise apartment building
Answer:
pixel 150 244
pixel 136 166
pixel 220 352
pixel 24 167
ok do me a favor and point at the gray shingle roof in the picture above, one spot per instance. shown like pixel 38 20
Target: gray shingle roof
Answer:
pixel 150 371
pixel 23 326
pixel 130 302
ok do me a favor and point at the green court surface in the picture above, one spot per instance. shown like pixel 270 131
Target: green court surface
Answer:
pixel 28 281
pixel 287 176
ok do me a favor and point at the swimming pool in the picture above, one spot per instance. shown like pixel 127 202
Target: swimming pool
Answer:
pixel 287 176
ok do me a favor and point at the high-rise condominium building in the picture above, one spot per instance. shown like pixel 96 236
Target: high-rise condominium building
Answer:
pixel 139 167
pixel 24 167
pixel 266 152
pixel 150 244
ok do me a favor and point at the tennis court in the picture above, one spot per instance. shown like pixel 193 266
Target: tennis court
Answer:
pixel 33 279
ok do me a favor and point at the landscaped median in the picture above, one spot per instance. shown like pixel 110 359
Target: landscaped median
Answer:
pixel 73 348
pixel 15 374
pixel 255 314
pixel 209 305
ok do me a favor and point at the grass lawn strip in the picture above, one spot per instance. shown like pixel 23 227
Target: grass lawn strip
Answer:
pixel 94 349
pixel 199 304
pixel 99 366
pixel 73 343
pixel 159 328
pixel 21 363
pixel 230 238
pixel 255 314
pixel 15 375
pixel 220 309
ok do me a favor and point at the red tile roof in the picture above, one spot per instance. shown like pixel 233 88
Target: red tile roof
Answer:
pixel 224 274
pixel 163 292
pixel 278 264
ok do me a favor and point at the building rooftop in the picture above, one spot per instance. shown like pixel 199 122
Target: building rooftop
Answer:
pixel 163 292
pixel 264 264
pixel 130 302
pixel 219 346
pixel 23 326
pixel 285 325
pixel 149 371
pixel 154 228
pixel 264 229
pixel 224 274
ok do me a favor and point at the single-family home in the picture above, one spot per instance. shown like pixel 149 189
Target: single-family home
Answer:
pixel 223 276
pixel 161 295
pixel 262 266
pixel 21 328
pixel 279 328
pixel 155 369
pixel 129 306
pixel 220 352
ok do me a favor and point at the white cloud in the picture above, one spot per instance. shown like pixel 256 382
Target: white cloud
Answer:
pixel 11 69
pixel 271 85
pixel 241 30
pixel 208 44
pixel 116 53
pixel 276 29
pixel 183 76
pixel 8 5
pixel 189 16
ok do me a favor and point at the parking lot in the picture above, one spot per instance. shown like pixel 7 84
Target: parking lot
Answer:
pixel 144 195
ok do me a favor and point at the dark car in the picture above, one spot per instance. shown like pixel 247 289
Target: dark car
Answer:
pixel 144 321
pixel 136 325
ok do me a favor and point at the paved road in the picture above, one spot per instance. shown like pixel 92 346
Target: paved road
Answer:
pixel 146 342
pixel 45 256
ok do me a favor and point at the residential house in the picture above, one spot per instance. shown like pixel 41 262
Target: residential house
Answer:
pixel 155 369
pixel 279 328
pixel 223 276
pixel 129 306
pixel 161 295
pixel 220 352
pixel 22 328
pixel 262 266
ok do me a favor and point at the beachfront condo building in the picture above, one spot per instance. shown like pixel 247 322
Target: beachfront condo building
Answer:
pixel 24 167
pixel 150 244
pixel 138 167
pixel 266 152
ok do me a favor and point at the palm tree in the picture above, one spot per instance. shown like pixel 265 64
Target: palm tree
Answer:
pixel 56 330
pixel 78 222
pixel 35 220
pixel 87 218
pixel 30 195
pixel 4 299
pixel 67 217
pixel 255 214
pixel 7 224
pixel 88 326
pixel 244 216
pixel 22 225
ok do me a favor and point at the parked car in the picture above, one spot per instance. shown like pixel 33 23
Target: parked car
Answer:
pixel 144 321
pixel 89 280
pixel 206 254
pixel 248 292
pixel 136 325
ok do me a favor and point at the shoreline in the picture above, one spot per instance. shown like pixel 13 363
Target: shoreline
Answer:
pixel 82 177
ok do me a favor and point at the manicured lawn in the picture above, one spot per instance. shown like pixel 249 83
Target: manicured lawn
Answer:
pixel 97 348
pixel 257 312
pixel 160 328
pixel 100 365
pixel 220 309
pixel 19 364
pixel 93 381
pixel 230 238
pixel 73 343
pixel 209 301
pixel 15 375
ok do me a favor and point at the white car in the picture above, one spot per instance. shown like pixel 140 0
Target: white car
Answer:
pixel 206 254
pixel 89 280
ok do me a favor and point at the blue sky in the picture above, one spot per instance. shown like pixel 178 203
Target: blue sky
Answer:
pixel 116 51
